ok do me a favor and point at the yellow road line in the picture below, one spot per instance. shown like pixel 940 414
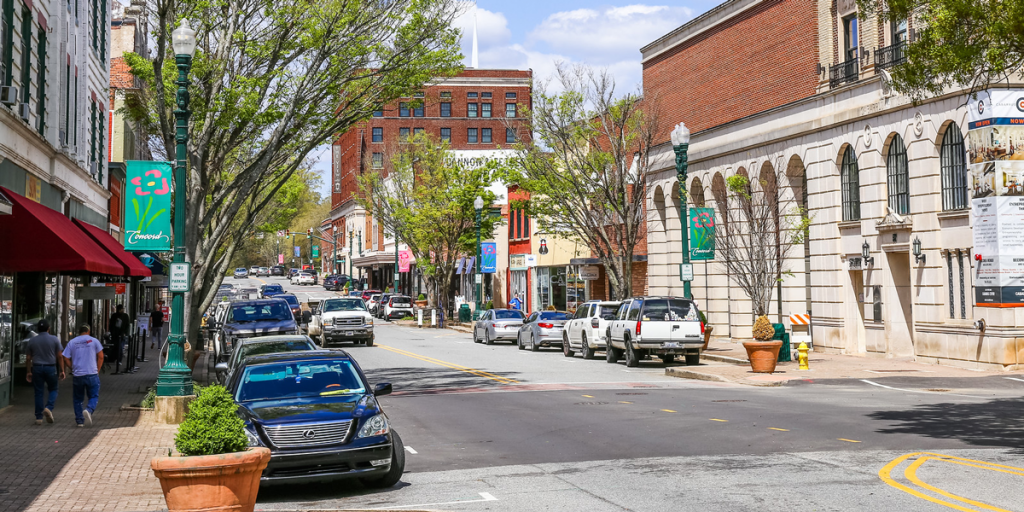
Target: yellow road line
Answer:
pixel 474 371
pixel 911 473
pixel 667 410
pixel 625 402
pixel 716 419
pixel 588 396
pixel 847 440
pixel 779 429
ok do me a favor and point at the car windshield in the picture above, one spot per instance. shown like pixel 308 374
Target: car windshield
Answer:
pixel 507 314
pixel 273 288
pixel 275 310
pixel 271 347
pixel 290 299
pixel 239 270
pixel 669 310
pixel 374 297
pixel 355 294
pixel 401 301
pixel 299 380
pixel 344 305
pixel 554 315
pixel 607 312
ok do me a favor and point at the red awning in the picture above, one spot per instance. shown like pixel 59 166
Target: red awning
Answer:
pixel 38 239
pixel 133 267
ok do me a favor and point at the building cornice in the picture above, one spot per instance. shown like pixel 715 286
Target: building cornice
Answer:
pixel 695 27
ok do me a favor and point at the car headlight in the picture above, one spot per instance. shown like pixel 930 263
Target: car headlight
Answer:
pixel 369 323
pixel 375 426
pixel 254 440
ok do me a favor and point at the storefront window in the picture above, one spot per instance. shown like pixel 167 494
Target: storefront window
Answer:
pixel 6 337
pixel 551 288
pixel 575 288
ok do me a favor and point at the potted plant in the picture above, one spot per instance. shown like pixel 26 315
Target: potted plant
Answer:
pixel 216 470
pixel 763 352
pixel 421 301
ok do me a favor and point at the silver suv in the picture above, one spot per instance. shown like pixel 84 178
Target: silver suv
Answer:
pixel 663 326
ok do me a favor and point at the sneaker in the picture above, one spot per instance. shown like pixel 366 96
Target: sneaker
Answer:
pixel 39 422
pixel 88 417
pixel 48 414
pixel 79 425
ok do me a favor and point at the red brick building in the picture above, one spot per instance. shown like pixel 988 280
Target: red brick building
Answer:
pixel 470 110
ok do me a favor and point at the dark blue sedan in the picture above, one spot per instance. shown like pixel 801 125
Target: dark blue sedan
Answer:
pixel 269 290
pixel 316 412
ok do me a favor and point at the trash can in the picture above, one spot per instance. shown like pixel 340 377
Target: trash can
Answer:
pixel 785 353
pixel 465 314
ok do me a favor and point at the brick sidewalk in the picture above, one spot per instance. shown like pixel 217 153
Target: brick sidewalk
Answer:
pixel 60 467
pixel 721 358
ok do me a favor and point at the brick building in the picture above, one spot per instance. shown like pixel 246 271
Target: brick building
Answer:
pixel 471 111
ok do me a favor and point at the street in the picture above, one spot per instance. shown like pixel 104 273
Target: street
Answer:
pixel 496 428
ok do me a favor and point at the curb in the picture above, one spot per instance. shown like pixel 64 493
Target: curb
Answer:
pixel 724 359
pixel 690 374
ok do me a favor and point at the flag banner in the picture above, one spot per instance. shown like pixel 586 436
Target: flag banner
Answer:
pixel 488 258
pixel 702 234
pixel 297 249
pixel 459 267
pixel 404 259
pixel 147 206
pixel 280 259
pixel 316 251
pixel 470 269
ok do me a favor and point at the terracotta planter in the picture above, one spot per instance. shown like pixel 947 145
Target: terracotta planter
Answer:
pixel 226 482
pixel 763 355
pixel 707 337
pixel 421 304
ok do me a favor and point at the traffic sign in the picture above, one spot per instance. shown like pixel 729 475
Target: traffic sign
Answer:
pixel 686 271
pixel 180 279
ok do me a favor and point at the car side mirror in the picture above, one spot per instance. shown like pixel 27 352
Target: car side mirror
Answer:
pixel 307 316
pixel 221 367
pixel 384 388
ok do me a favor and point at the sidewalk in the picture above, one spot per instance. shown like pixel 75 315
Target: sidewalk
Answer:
pixel 727 362
pixel 105 467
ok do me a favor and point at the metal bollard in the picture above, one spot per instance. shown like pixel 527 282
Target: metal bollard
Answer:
pixel 802 349
pixel 419 318
pixel 433 318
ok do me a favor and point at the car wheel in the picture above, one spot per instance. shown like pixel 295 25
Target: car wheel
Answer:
pixel 612 354
pixel 487 337
pixel 397 465
pixel 668 358
pixel 566 351
pixel 519 341
pixel 476 339
pixel 323 340
pixel 533 343
pixel 692 359
pixel 588 353
pixel 632 361
pixel 369 342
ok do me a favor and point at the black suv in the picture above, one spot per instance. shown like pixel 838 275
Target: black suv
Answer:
pixel 277 270
pixel 335 282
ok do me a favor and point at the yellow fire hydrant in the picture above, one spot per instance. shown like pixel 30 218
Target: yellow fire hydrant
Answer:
pixel 802 349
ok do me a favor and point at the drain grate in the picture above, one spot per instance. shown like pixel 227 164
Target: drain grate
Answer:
pixel 592 403
pixel 724 401
pixel 630 394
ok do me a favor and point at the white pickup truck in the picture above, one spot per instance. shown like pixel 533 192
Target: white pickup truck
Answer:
pixel 663 326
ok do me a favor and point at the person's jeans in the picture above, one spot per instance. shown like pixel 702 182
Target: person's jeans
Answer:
pixel 85 385
pixel 44 376
pixel 158 337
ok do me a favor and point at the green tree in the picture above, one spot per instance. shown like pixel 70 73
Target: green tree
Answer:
pixel 587 166
pixel 426 197
pixel 271 81
pixel 958 43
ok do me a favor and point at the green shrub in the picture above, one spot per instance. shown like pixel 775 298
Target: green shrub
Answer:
pixel 211 425
pixel 489 305
pixel 421 297
pixel 149 401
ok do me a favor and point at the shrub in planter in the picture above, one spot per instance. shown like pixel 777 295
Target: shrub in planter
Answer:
pixel 421 297
pixel 763 330
pixel 489 305
pixel 763 353
pixel 212 425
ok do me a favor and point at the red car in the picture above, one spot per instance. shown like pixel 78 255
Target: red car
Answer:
pixel 367 293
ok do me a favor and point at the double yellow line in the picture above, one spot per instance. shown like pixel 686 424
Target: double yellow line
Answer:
pixel 921 457
pixel 453 366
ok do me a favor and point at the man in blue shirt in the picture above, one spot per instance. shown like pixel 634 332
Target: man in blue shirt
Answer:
pixel 85 355
pixel 515 303
pixel 44 363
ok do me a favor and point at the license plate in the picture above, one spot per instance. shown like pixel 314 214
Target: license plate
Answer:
pixel 349 333
pixel 671 345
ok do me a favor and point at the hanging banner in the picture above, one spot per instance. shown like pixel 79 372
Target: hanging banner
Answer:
pixel 297 249
pixel 280 259
pixel 404 259
pixel 147 206
pixel 459 266
pixel 316 251
pixel 470 262
pixel 488 258
pixel 702 234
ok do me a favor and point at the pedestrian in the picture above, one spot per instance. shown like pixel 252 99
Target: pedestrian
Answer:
pixel 85 355
pixel 515 303
pixel 118 327
pixel 156 326
pixel 45 365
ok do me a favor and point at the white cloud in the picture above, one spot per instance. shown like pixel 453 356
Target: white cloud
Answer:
pixel 608 37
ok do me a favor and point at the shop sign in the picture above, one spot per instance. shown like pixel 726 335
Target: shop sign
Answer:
pixel 521 261
pixel 404 260
pixel 119 288
pixel 686 271
pixel 147 206
pixel 33 188
pixel 590 273
pixel 999 247
pixel 702 234
pixel 489 258
pixel 180 279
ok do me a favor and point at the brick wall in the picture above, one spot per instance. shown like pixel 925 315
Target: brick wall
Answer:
pixel 600 287
pixel 759 59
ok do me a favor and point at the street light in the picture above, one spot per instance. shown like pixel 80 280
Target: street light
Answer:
pixel 680 144
pixel 865 252
pixel 478 204
pixel 918 256
pixel 175 377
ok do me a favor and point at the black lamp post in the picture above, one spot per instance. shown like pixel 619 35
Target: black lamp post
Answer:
pixel 478 205
pixel 680 144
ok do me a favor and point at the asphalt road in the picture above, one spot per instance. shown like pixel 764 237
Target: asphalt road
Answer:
pixel 495 428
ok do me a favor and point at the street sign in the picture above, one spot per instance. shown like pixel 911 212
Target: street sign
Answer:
pixel 686 271
pixel 590 273
pixel 479 278
pixel 180 278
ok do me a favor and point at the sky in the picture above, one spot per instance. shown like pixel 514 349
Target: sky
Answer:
pixel 538 34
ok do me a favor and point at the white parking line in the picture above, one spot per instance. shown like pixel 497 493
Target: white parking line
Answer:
pixel 915 390
pixel 486 497
pixel 1012 378
pixel 410 450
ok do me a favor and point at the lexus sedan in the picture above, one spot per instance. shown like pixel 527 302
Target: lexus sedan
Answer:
pixel 497 324
pixel 319 417
pixel 542 329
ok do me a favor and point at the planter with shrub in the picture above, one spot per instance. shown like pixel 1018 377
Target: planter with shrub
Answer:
pixel 763 353
pixel 421 301
pixel 216 470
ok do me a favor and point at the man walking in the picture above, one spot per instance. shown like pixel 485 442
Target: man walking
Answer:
pixel 156 326
pixel 118 327
pixel 85 355
pixel 515 303
pixel 45 364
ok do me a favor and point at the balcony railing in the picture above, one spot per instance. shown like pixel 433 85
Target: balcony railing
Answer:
pixel 890 56
pixel 842 73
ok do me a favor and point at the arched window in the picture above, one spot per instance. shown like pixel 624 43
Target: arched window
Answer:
pixel 849 174
pixel 954 170
pixel 718 190
pixel 696 192
pixel 899 179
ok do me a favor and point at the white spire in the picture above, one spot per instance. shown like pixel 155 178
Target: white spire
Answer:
pixel 475 59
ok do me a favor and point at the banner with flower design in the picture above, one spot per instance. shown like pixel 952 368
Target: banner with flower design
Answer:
pixel 147 206
pixel 702 234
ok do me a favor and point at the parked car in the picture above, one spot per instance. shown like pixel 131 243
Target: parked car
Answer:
pixel 241 273
pixel 251 318
pixel 378 307
pixel 355 293
pixel 225 292
pixel 662 326
pixel 366 294
pixel 264 271
pixel 335 282
pixel 371 305
pixel 292 272
pixel 498 324
pixel 293 304
pixel 398 306
pixel 542 329
pixel 342 319
pixel 277 270
pixel 588 327
pixel 254 271
pixel 304 278
pixel 319 417
pixel 247 293
pixel 261 345
pixel 269 290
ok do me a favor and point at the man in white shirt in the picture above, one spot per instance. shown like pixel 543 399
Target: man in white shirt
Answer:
pixel 85 355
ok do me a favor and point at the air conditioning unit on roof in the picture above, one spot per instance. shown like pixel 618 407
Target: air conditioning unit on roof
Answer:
pixel 9 94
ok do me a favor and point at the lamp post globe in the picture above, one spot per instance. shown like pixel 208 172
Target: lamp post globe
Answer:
pixel 183 39
pixel 478 205
pixel 680 144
